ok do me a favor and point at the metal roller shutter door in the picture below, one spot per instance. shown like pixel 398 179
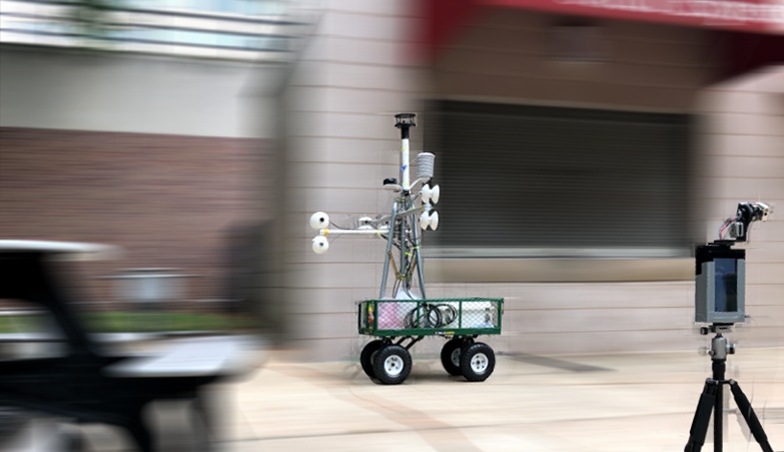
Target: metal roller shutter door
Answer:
pixel 522 177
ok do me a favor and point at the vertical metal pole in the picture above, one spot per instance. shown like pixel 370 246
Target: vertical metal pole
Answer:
pixel 402 237
pixel 405 178
pixel 404 122
pixel 417 250
pixel 719 358
pixel 384 276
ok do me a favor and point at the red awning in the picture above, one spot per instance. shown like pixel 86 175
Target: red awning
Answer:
pixel 759 16
pixel 754 29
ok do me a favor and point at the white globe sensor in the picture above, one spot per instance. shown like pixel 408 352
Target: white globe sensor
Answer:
pixel 435 193
pixel 320 244
pixel 319 220
pixel 424 220
pixel 433 221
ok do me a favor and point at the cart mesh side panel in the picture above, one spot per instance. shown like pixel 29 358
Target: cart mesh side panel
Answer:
pixel 445 316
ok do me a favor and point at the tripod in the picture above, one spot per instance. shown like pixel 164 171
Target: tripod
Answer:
pixel 713 398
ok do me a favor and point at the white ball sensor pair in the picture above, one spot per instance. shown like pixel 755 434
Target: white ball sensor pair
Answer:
pixel 319 221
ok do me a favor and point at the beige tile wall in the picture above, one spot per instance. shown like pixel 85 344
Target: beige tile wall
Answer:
pixel 742 147
pixel 339 104
pixel 340 144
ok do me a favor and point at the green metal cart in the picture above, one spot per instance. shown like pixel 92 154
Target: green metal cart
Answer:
pixel 399 324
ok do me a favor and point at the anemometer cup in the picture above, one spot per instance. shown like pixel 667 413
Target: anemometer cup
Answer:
pixel 429 220
pixel 430 194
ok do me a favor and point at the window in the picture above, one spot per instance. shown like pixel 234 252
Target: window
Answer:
pixel 233 29
pixel 28 332
pixel 527 181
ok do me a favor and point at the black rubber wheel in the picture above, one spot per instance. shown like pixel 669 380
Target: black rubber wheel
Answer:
pixel 392 364
pixel 450 356
pixel 477 361
pixel 366 357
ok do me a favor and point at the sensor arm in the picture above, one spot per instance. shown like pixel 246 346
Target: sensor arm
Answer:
pixel 326 232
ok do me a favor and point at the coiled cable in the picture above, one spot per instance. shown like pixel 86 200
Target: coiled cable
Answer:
pixel 430 315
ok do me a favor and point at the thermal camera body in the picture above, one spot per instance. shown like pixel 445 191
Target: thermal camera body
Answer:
pixel 720 284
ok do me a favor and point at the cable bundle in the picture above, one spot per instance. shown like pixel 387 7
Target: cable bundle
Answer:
pixel 429 315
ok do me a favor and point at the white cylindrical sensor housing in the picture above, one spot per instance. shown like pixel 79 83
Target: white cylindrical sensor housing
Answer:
pixel 425 165
pixel 405 179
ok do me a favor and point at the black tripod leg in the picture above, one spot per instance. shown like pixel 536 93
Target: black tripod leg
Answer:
pixel 751 418
pixel 699 425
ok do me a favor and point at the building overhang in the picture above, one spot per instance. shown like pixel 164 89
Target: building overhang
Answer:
pixel 750 32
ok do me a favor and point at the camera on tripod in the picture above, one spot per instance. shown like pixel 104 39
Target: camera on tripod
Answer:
pixel 720 299
pixel 720 294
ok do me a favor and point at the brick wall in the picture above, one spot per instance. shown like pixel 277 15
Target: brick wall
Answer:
pixel 169 200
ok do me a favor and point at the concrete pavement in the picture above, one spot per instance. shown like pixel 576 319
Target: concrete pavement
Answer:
pixel 600 403
pixel 624 403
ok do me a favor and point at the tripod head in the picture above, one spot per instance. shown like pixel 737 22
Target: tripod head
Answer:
pixel 717 328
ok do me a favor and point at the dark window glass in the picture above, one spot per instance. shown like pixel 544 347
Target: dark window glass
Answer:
pixel 726 285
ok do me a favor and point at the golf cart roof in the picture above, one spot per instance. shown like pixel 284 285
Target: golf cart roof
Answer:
pixel 62 250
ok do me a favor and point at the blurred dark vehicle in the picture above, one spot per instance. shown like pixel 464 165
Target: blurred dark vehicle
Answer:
pixel 76 378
